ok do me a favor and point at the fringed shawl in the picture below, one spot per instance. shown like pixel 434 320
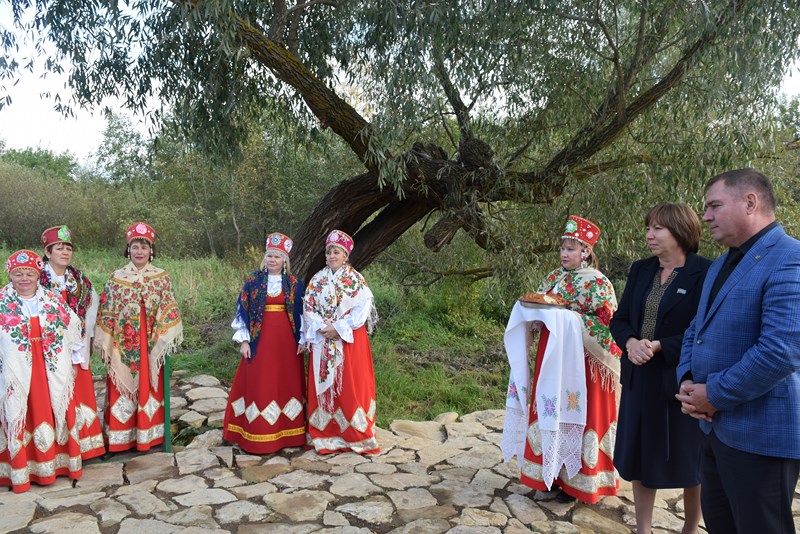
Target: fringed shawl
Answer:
pixel 61 330
pixel 330 297
pixel 591 296
pixel 117 332
pixel 253 298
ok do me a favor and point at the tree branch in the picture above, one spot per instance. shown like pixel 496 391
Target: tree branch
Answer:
pixel 601 133
pixel 460 109
pixel 332 3
pixel 278 22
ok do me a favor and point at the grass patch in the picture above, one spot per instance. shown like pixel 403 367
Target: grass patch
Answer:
pixel 423 391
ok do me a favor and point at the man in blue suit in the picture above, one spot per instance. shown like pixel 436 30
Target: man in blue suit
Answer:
pixel 739 372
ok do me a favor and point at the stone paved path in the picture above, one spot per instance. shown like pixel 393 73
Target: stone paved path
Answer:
pixel 431 477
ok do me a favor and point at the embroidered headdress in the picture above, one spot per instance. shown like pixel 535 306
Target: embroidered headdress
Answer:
pixel 280 243
pixel 340 239
pixel 141 230
pixel 24 259
pixel 56 234
pixel 582 230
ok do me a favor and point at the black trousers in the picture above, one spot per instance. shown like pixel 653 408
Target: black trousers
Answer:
pixel 746 493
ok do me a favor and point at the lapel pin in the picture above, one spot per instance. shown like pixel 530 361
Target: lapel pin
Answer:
pixel 758 257
pixel 681 291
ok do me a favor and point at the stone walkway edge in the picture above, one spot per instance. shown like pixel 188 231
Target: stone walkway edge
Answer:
pixel 431 477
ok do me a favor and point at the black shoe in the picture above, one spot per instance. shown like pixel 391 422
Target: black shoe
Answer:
pixel 564 498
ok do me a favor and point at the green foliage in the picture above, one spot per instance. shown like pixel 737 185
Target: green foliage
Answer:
pixel 59 166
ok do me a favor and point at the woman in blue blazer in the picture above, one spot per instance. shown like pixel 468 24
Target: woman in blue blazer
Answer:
pixel 657 446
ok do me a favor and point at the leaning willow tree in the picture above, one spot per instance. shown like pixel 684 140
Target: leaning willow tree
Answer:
pixel 455 108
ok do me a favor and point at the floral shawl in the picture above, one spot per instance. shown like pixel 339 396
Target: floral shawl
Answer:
pixel 117 332
pixel 253 297
pixel 592 297
pixel 330 297
pixel 79 288
pixel 60 332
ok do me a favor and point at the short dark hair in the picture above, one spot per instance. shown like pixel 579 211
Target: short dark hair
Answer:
pixel 48 248
pixel 680 220
pixel 746 180
pixel 127 253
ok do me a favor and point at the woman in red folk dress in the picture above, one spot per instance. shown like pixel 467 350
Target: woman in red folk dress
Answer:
pixel 138 326
pixel 63 279
pixel 591 295
pixel 40 337
pixel 265 410
pixel 341 379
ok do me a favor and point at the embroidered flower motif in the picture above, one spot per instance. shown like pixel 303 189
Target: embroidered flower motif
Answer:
pixel 573 401
pixel 549 406
pixel 512 391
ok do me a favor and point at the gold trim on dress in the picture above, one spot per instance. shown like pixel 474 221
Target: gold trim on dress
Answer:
pixel 275 308
pixel 262 438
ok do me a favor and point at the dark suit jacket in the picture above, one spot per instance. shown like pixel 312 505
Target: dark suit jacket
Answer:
pixel 677 309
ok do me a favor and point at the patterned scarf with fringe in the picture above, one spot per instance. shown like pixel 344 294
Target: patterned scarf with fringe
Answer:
pixel 117 332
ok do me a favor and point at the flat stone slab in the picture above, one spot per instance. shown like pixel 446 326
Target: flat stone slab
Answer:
pixel 192 461
pixel 423 429
pixel 185 484
pixel 148 526
pixel 207 406
pixel 205 496
pixel 205 392
pixel 98 476
pixel 412 499
pixel 373 511
pixel 16 516
pixel 193 419
pixel 65 523
pixel 207 440
pixel 146 504
pixel 300 479
pixel 50 504
pixel 109 512
pixel 462 430
pixel 204 381
pixel 304 505
pixel 241 512
pixel 353 485
pixel 153 466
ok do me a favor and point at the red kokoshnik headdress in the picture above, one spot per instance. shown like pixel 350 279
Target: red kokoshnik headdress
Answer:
pixel 24 259
pixel 55 235
pixel 582 230
pixel 280 243
pixel 340 239
pixel 140 230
